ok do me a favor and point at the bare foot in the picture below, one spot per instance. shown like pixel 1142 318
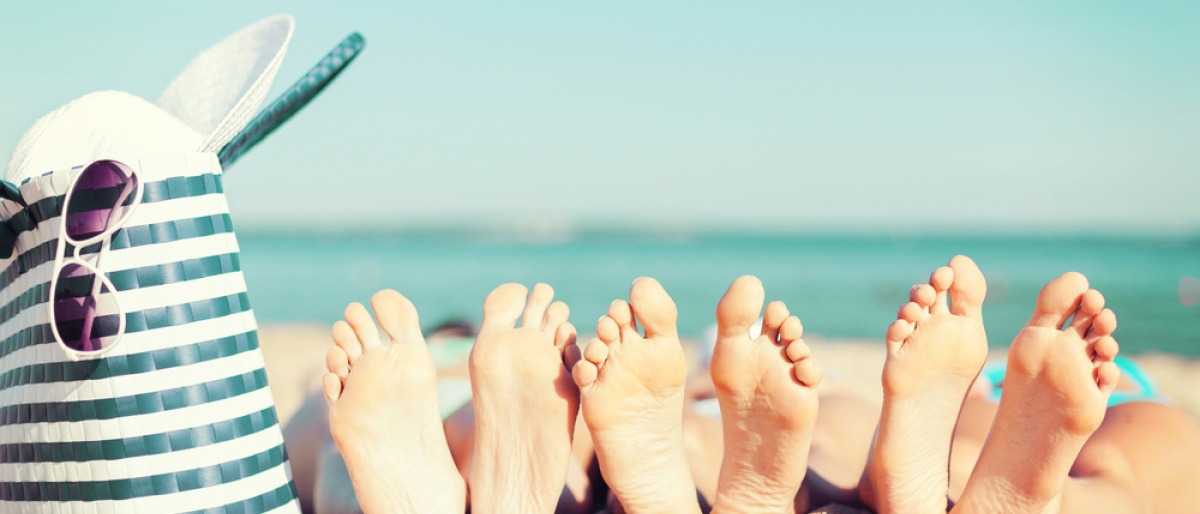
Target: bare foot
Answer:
pixel 935 350
pixel 525 402
pixel 768 402
pixel 1056 391
pixel 383 412
pixel 632 392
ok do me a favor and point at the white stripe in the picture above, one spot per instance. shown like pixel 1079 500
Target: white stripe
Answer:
pixel 178 293
pixel 128 385
pixel 150 465
pixel 116 260
pixel 178 209
pixel 140 425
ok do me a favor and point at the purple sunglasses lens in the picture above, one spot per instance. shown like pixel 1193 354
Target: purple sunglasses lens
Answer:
pixel 85 313
pixel 102 194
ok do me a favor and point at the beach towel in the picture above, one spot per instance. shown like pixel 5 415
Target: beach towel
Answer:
pixel 175 415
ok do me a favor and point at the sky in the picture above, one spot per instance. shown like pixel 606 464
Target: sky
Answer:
pixel 818 116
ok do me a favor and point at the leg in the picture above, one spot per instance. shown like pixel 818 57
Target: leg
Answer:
pixel 766 389
pixel 524 400
pixel 935 350
pixel 1055 393
pixel 632 397
pixel 383 412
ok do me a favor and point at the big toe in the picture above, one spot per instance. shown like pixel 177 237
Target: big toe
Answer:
pixel 653 307
pixel 503 306
pixel 740 307
pixel 397 315
pixel 1058 300
pixel 968 289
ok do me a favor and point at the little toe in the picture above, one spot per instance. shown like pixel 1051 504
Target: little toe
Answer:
pixel 739 308
pixel 808 371
pixel 1058 300
pixel 790 330
pixel 331 385
pixel 584 373
pixel 503 306
pixel 1090 305
pixel 345 338
pixel 337 362
pixel 653 308
pixel 1107 377
pixel 571 356
pixel 773 318
pixel 940 280
pixel 556 315
pixel 364 327
pixel 564 336
pixel 535 308
pixel 397 316
pixel 968 289
pixel 897 332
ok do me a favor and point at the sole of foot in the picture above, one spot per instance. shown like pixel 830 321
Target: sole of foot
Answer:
pixel 766 388
pixel 525 402
pixel 935 350
pixel 631 389
pixel 383 411
pixel 1056 389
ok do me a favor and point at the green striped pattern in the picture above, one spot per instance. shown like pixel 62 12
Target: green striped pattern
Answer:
pixel 175 419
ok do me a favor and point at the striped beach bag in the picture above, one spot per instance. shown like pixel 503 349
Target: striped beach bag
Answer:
pixel 131 378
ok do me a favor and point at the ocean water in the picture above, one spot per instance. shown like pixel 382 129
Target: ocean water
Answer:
pixel 840 287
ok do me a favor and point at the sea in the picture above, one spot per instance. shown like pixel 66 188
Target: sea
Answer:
pixel 841 286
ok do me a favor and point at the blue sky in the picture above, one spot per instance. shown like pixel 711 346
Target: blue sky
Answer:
pixel 1025 117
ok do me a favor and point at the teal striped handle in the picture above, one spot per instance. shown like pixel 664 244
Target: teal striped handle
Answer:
pixel 292 100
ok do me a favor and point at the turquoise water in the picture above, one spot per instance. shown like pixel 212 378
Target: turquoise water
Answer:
pixel 841 287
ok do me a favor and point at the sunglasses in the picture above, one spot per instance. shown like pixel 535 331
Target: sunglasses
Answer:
pixel 85 316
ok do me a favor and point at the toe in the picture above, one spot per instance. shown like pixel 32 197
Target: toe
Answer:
pixel 797 350
pixel 654 309
pixel 808 372
pixel 1104 323
pixel 564 336
pixel 345 338
pixel 940 280
pixel 790 330
pixel 622 314
pixel 596 352
pixel 535 309
pixel 923 295
pixel 608 330
pixel 968 289
pixel 739 308
pixel 1106 348
pixel 1090 305
pixel 1058 300
pixel 897 332
pixel 1107 377
pixel 503 306
pixel 337 362
pixel 556 315
pixel 773 318
pixel 331 385
pixel 584 373
pixel 397 316
pixel 364 327
pixel 911 312
pixel 571 356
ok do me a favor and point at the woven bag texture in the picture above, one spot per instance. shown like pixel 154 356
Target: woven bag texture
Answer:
pixel 178 416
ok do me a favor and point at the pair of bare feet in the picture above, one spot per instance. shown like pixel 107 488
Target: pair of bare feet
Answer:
pixel 1055 394
pixel 384 413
